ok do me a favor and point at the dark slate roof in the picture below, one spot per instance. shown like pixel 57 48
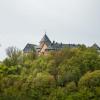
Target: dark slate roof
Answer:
pixel 30 47
pixel 96 46
pixel 57 46
pixel 51 45
pixel 45 39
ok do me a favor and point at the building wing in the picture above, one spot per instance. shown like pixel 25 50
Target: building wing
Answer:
pixel 30 47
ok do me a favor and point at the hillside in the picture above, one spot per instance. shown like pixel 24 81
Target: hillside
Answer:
pixel 68 74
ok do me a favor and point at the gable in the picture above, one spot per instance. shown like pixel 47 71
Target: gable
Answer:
pixel 44 48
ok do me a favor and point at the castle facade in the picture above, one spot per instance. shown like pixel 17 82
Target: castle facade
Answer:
pixel 45 46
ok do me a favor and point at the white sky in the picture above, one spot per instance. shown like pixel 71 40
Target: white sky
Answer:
pixel 68 21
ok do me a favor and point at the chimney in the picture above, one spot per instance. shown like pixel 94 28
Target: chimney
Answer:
pixel 53 42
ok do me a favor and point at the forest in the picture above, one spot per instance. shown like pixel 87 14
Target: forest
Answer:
pixel 67 74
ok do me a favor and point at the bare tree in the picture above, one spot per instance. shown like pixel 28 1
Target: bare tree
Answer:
pixel 13 52
pixel 14 55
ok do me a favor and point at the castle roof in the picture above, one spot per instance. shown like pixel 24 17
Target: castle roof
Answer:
pixel 52 45
pixel 45 39
pixel 57 46
pixel 96 46
pixel 30 47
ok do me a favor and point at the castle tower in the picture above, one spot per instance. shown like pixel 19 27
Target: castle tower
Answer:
pixel 45 40
pixel 44 44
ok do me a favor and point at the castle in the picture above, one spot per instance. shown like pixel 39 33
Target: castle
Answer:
pixel 46 46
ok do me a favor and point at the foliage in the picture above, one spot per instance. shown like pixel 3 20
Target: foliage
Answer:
pixel 68 74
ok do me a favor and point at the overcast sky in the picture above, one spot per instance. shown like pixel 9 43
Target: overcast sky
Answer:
pixel 68 21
